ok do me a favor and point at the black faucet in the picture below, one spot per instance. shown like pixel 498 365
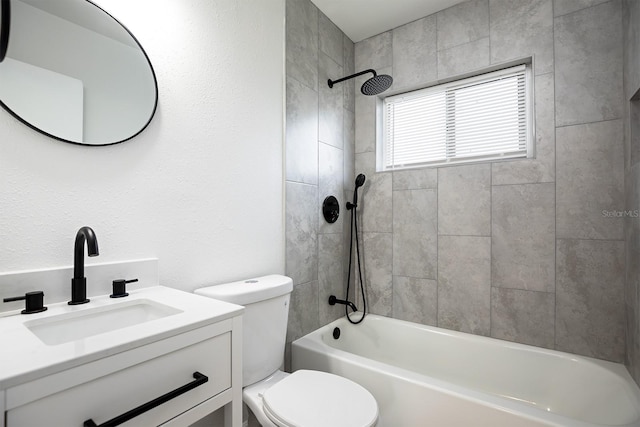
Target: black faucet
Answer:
pixel 79 282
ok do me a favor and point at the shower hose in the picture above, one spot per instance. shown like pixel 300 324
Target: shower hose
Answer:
pixel 354 226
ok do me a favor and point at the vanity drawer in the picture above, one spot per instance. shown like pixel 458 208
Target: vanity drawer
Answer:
pixel 109 396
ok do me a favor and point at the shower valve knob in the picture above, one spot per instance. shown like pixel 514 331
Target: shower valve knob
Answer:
pixel 331 209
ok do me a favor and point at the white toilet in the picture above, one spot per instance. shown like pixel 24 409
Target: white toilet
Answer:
pixel 278 399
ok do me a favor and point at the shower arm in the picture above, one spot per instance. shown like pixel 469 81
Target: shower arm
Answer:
pixel 332 82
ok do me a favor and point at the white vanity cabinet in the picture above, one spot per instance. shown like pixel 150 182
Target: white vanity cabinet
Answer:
pixel 97 392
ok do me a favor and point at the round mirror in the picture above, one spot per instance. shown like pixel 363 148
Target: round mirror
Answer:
pixel 73 72
pixel 4 27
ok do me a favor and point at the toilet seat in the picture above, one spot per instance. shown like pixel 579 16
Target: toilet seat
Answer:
pixel 319 399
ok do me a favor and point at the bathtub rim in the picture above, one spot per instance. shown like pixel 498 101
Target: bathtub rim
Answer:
pixel 313 342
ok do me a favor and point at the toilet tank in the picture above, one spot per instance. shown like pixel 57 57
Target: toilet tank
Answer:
pixel 264 324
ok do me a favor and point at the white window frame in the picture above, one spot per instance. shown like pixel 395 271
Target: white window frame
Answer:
pixel 528 152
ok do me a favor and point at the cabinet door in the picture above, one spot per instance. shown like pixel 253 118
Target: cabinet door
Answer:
pixel 110 396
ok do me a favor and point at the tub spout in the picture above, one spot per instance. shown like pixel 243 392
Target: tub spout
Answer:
pixel 333 301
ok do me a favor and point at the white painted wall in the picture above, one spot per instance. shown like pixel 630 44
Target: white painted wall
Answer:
pixel 201 188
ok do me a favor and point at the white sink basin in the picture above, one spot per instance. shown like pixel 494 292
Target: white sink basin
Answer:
pixel 66 336
pixel 74 326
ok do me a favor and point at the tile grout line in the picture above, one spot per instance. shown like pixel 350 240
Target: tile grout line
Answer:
pixel 555 186
pixel 437 248
pixel 491 251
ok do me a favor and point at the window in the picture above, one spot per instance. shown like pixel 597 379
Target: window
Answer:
pixel 486 117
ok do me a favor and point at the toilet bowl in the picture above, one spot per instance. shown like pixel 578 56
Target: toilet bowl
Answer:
pixel 278 399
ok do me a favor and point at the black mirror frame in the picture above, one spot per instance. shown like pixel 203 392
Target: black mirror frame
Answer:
pixel 5 24
pixel 6 8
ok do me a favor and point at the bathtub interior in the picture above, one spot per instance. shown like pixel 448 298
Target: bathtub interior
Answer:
pixel 572 386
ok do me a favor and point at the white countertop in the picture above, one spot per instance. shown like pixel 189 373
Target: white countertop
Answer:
pixel 23 357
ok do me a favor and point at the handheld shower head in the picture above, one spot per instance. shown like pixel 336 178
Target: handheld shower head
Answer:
pixel 359 183
pixel 374 86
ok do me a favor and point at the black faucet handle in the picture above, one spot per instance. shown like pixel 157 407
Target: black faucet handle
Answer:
pixel 120 288
pixel 34 302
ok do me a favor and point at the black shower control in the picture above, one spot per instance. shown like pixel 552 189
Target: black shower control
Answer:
pixel 34 302
pixel 120 288
pixel 331 209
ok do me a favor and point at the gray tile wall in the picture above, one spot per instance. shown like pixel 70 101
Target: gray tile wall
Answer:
pixel 320 141
pixel 631 89
pixel 517 250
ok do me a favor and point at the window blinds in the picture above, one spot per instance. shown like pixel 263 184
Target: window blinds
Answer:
pixel 481 118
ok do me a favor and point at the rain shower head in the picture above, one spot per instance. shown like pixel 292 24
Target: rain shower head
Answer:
pixel 374 86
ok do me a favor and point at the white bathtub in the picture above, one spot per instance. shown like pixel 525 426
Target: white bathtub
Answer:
pixel 427 376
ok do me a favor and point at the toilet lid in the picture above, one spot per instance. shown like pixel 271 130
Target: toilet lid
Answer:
pixel 319 399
